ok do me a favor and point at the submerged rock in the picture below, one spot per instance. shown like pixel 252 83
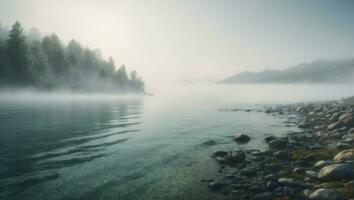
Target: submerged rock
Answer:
pixel 326 194
pixel 216 185
pixel 237 156
pixel 269 138
pixel 279 143
pixel 344 155
pixel 209 143
pixel 220 154
pixel 242 138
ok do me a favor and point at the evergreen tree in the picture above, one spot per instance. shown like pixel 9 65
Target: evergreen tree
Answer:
pixel 3 63
pixel 135 82
pixel 39 67
pixel 46 63
pixel 17 52
pixel 55 53
pixel 122 76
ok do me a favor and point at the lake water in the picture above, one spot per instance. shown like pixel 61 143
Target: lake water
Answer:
pixel 59 146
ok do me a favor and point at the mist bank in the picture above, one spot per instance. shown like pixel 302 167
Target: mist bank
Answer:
pixel 340 71
pixel 28 60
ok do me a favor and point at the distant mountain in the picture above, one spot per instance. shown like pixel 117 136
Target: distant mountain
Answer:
pixel 319 71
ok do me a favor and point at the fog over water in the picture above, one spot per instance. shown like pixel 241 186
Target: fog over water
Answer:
pixel 60 146
pixel 122 100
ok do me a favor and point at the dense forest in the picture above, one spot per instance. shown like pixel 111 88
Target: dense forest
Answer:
pixel 29 60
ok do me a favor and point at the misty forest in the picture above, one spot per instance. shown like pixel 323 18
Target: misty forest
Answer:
pixel 235 100
pixel 29 60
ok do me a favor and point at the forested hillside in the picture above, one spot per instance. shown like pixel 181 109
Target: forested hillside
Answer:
pixel 29 60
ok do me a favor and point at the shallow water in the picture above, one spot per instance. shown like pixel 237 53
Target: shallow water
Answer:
pixel 59 146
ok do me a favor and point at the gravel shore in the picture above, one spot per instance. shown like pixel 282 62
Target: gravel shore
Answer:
pixel 314 163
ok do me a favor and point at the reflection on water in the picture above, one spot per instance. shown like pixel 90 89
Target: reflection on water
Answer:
pixel 38 138
pixel 135 149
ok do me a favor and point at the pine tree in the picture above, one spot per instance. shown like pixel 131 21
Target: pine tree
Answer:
pixel 17 52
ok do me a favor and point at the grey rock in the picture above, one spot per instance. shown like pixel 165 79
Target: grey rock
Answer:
pixel 220 154
pixel 264 196
pixel 242 138
pixel 237 156
pixel 279 143
pixel 306 193
pixel 343 145
pixel 216 185
pixel 322 163
pixel 269 138
pixel 337 172
pixel 326 194
pixel 311 174
pixel 299 170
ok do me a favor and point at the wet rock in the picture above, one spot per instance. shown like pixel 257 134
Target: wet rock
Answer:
pixel 326 194
pixel 271 185
pixel 322 163
pixel 279 143
pixel 306 193
pixel 301 109
pixel 272 167
pixel 304 125
pixel 311 174
pixel 220 154
pixel 264 196
pixel 337 172
pixel 347 119
pixel 269 138
pixel 237 156
pixel 242 138
pixel 344 155
pixel 281 154
pixel 264 152
pixel 334 125
pixel 315 146
pixel 349 188
pixel 288 190
pixel 249 171
pixel 221 160
pixel 299 170
pixel 343 145
pixel 216 185
pixel 289 182
pixel 209 143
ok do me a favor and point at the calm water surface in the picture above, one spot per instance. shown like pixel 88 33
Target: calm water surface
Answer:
pixel 108 147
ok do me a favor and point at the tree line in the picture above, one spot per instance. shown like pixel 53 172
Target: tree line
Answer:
pixel 29 60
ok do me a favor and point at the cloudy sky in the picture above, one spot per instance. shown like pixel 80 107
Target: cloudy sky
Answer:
pixel 168 40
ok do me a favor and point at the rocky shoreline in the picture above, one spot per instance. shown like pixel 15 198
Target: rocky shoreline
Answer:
pixel 314 163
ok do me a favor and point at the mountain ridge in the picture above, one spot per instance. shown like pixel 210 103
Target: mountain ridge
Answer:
pixel 318 71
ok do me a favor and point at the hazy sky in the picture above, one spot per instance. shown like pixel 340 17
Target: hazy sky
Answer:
pixel 167 40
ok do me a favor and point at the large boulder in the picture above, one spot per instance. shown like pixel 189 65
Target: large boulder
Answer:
pixel 337 172
pixel 242 138
pixel 326 194
pixel 344 155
